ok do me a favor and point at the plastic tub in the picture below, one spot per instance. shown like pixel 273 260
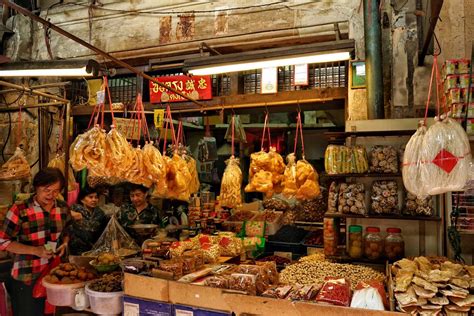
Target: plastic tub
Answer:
pixel 62 294
pixel 105 303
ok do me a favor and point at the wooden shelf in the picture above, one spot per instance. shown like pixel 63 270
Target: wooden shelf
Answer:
pixel 360 175
pixel 396 217
pixel 466 232
pixel 308 223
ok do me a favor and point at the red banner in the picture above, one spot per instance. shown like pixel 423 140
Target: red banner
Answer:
pixel 197 87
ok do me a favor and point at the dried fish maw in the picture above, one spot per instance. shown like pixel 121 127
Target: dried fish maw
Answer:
pixel 406 264
pixel 421 292
pixel 425 284
pixel 403 280
pixel 407 298
pixel 439 276
pixel 423 264
pixel 454 268
pixel 463 302
pixel 439 300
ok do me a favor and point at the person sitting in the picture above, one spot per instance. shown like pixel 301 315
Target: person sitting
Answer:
pixel 89 222
pixel 139 211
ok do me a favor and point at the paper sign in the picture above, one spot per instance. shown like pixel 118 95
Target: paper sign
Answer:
pixel 158 116
pixel 130 309
pixel 128 127
pixel 360 70
pixel 180 312
pixel 269 80
pixel 301 75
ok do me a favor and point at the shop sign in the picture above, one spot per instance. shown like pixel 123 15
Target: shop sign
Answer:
pixel 269 80
pixel 197 87
pixel 301 75
pixel 127 127
pixel 158 117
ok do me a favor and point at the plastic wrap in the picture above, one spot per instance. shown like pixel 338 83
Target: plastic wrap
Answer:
pixel 416 206
pixel 411 166
pixel 174 266
pixel 243 282
pixel 383 159
pixel 352 199
pixel 230 246
pixel 119 156
pixel 385 197
pixel 342 159
pixel 218 281
pixel 88 150
pixel 262 281
pixel 289 182
pixel 194 177
pixel 336 292
pixel 270 268
pixel 280 292
pixel 446 157
pixel 303 292
pixel 333 197
pixel 115 240
pixel 254 228
pixel 154 163
pixel 211 253
pixel 198 256
pixel 266 172
pixel 178 178
pixel 231 185
pixel 17 167
pixel 137 173
pixel 369 296
pixel 306 181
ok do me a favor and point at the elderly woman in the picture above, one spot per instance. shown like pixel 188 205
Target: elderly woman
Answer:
pixel 28 227
pixel 89 222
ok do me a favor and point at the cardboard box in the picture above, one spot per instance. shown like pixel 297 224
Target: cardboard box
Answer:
pixel 198 296
pixel 183 310
pixel 137 307
pixel 146 287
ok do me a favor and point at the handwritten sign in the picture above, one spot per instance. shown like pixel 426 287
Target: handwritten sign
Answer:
pixel 128 127
pixel 196 87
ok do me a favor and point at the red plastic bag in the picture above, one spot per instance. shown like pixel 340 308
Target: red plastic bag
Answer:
pixel 39 290
pixel 336 292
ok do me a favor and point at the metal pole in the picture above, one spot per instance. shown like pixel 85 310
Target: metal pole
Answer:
pixel 39 105
pixel 26 89
pixel 93 48
pixel 373 59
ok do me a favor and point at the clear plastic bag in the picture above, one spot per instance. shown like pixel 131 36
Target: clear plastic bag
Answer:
pixel 17 167
pixel 218 281
pixel 360 163
pixel 243 282
pixel 114 240
pixel 415 206
pixel 385 197
pixel 338 159
pixel 266 172
pixel 231 193
pixel 154 163
pixel 306 181
pixel 384 159
pixel 59 162
pixel 332 197
pixel 119 156
pixel 289 183
pixel 88 150
pixel 352 199
pixel 411 166
pixel 262 281
pixel 178 177
pixel 446 156
pixel 194 184
pixel 369 296
pixel 336 292
pixel 137 173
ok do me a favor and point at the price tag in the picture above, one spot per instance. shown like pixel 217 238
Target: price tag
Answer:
pixel 180 312
pixel 130 309
pixel 284 254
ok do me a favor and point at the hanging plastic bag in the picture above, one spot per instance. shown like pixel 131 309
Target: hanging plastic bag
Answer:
pixel 289 183
pixel 231 185
pixel 17 167
pixel 411 172
pixel 119 158
pixel 445 151
pixel 88 150
pixel 114 240
pixel 307 181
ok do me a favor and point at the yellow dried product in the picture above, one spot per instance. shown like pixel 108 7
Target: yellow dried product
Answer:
pixel 119 153
pixel 58 162
pixel 277 168
pixel 17 167
pixel 177 178
pixel 88 150
pixel 194 184
pixel 231 184
pixel 306 181
pixel 261 182
pixel 289 182
pixel 154 163
pixel 266 173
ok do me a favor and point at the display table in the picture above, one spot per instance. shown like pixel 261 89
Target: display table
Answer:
pixel 177 293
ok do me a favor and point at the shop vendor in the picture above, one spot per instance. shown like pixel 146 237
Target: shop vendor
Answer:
pixel 139 211
pixel 89 222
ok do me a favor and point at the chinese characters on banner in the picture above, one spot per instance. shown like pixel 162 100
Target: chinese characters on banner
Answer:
pixel 197 87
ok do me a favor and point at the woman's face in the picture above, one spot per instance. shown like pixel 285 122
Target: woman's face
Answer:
pixel 90 201
pixel 46 195
pixel 138 198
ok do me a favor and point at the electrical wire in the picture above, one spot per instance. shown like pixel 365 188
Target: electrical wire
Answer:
pixel 9 122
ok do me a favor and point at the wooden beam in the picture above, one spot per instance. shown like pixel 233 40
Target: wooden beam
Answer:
pixel 320 98
pixel 29 90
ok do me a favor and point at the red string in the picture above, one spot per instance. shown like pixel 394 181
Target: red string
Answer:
pixel 429 91
pixel 299 132
pixel 106 83
pixel 265 128
pixel 301 135
pixel 233 134
pixel 18 136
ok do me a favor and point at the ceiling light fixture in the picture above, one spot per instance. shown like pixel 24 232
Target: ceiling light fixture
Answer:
pixel 304 54
pixel 51 68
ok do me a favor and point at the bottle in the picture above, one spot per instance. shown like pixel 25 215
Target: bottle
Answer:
pixel 394 244
pixel 355 241
pixel 373 243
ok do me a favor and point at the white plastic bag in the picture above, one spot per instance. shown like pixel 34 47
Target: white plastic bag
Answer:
pixel 367 298
pixel 446 157
pixel 411 165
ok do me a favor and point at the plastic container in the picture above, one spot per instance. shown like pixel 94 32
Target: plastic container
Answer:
pixel 373 243
pixel 463 66
pixel 62 294
pixel 394 244
pixel 105 303
pixel 355 241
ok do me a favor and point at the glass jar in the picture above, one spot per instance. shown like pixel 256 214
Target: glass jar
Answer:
pixel 394 244
pixel 355 241
pixel 373 243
